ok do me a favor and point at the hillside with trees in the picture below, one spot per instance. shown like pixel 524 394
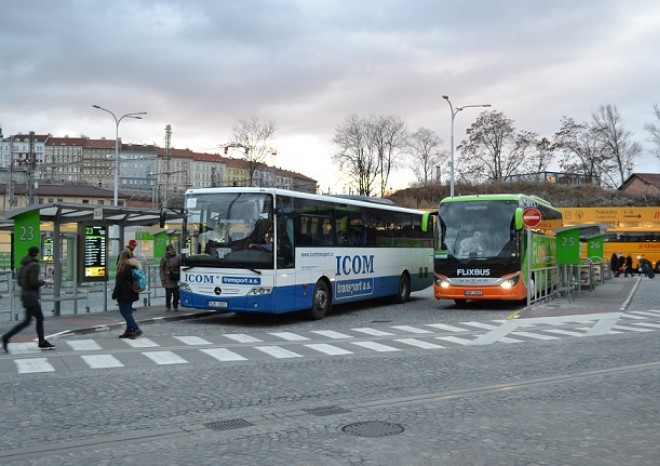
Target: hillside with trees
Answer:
pixel 559 195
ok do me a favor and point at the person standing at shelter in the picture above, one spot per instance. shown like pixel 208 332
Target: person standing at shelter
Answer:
pixel 29 281
pixel 170 274
pixel 128 251
pixel 126 295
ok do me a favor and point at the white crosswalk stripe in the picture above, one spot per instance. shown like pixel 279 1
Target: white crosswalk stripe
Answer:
pixel 418 343
pixel 164 357
pixel 277 352
pixel 331 334
pixel 33 365
pixel 222 354
pixel 480 325
pixel 289 336
pixel 408 328
pixel 372 331
pixel 242 338
pixel 457 340
pixel 192 341
pixel 83 345
pixel 449 328
pixel 631 329
pixel 141 343
pixel 374 346
pixel 102 361
pixel 328 349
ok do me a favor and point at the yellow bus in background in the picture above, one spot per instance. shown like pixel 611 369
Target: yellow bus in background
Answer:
pixel 631 230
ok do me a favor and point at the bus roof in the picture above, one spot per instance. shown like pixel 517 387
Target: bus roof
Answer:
pixel 360 201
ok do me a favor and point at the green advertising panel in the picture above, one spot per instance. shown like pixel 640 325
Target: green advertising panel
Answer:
pixel 595 247
pixel 568 247
pixel 26 234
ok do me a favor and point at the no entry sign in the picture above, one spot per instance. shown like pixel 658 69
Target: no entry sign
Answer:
pixel 531 217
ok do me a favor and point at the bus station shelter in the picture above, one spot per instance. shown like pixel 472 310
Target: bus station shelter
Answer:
pixel 87 226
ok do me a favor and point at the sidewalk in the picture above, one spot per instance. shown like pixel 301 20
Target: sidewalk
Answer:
pixel 99 321
pixel 612 296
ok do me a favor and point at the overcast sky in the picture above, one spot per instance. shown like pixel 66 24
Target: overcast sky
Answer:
pixel 306 65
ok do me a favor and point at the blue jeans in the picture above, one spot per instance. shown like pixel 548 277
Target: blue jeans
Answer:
pixel 126 310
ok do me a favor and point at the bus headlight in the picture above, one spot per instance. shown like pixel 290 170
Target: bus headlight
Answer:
pixel 184 286
pixel 510 282
pixel 260 290
pixel 442 282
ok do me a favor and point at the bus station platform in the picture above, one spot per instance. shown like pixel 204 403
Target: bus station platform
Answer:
pixel 612 296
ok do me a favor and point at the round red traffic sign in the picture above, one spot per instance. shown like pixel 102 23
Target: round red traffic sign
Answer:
pixel 531 217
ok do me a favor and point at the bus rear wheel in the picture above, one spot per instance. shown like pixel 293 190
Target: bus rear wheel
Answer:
pixel 404 288
pixel 321 301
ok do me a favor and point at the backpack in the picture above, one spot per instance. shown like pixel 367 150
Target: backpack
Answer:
pixel 139 280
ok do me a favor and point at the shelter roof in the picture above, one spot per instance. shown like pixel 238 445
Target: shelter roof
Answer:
pixel 86 213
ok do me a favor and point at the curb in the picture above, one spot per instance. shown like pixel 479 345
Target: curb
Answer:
pixel 121 324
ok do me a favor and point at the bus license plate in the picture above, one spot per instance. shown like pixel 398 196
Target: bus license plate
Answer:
pixel 473 293
pixel 222 304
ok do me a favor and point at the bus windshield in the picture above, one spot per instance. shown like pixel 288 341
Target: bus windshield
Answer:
pixel 230 230
pixel 478 229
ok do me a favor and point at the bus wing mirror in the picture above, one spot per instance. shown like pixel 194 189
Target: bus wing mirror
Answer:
pixel 425 219
pixel 519 219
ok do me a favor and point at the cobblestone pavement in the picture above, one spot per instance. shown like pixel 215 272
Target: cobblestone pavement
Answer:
pixel 588 400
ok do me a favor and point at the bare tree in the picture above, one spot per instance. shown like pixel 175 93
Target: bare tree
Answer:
pixel 616 144
pixel 253 136
pixel 494 150
pixel 426 154
pixel 654 131
pixel 354 154
pixel 367 148
pixel 387 135
pixel 579 148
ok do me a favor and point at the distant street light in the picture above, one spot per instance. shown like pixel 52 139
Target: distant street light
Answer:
pixel 135 115
pixel 454 111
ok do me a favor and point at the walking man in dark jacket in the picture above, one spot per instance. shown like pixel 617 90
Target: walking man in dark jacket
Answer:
pixel 29 281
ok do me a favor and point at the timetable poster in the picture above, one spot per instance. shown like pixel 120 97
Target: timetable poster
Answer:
pixel 94 241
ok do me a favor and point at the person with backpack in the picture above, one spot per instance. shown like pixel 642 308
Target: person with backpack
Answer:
pixel 29 281
pixel 125 292
pixel 170 264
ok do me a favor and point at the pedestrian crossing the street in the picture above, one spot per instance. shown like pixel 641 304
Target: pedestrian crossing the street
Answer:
pixel 106 352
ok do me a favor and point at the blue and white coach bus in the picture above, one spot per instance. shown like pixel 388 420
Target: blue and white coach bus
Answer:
pixel 267 250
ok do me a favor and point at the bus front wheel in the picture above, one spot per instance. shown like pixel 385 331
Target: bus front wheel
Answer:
pixel 321 301
pixel 404 288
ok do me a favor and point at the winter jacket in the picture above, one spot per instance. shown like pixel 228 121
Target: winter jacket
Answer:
pixel 28 274
pixel 123 291
pixel 167 263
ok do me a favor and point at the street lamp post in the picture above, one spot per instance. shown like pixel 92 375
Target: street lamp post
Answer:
pixel 454 111
pixel 135 115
